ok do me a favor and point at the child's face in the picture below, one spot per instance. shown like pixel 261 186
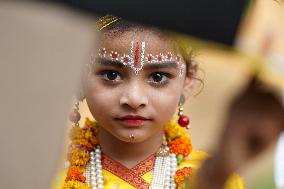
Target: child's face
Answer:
pixel 139 99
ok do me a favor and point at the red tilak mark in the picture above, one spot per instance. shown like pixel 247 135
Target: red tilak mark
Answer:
pixel 136 54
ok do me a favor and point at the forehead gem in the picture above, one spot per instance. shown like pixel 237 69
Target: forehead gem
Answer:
pixel 136 58
pixel 160 58
pixel 102 52
pixel 114 55
pixel 169 56
pixel 150 58
pixel 125 59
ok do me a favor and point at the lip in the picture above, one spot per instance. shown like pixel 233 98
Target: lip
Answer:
pixel 133 120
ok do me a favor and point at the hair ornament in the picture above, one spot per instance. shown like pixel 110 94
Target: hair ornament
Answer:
pixel 106 21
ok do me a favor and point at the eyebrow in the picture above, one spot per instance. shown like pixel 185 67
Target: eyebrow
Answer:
pixel 149 66
pixel 107 62
pixel 169 64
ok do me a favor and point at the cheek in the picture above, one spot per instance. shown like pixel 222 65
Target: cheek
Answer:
pixel 99 100
pixel 165 102
pixel 166 105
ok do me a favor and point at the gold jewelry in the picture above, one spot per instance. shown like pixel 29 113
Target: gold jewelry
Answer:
pixel 105 21
pixel 75 115
pixel 183 120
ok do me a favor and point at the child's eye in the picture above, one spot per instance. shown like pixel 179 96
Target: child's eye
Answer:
pixel 111 75
pixel 159 78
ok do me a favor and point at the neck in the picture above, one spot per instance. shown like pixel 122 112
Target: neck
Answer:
pixel 129 154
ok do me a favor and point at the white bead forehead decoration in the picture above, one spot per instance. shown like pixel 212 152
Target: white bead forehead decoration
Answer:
pixel 137 58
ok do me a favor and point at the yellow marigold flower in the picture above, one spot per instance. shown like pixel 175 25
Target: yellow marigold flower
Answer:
pixel 90 124
pixel 83 142
pixel 90 137
pixel 78 157
pixel 75 185
pixel 76 133
pixel 173 131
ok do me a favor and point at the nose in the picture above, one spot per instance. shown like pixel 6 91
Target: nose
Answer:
pixel 134 96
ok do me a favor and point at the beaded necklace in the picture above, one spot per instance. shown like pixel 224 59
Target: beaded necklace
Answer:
pixel 84 155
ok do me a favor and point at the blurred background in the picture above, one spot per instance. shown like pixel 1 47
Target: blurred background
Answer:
pixel 258 48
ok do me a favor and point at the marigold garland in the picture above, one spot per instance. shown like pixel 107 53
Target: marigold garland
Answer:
pixel 74 173
pixel 182 174
pixel 78 157
pixel 83 141
pixel 180 146
pixel 73 184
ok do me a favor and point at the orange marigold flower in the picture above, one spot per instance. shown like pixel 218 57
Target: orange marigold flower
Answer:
pixel 182 174
pixel 180 145
pixel 74 173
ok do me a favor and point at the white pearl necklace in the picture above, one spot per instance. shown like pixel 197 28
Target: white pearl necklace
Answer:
pixel 163 174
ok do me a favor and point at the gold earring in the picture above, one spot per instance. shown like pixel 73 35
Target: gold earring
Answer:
pixel 75 116
pixel 183 120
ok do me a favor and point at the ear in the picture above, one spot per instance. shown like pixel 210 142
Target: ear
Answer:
pixel 190 81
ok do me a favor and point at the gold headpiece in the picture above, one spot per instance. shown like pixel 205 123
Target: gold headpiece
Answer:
pixel 105 21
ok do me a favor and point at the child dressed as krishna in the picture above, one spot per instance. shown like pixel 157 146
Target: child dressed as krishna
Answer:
pixel 133 85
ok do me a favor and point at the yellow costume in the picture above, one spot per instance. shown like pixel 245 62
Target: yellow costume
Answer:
pixel 117 176
pixel 114 175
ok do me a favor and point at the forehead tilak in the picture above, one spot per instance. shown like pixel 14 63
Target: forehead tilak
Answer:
pixel 137 57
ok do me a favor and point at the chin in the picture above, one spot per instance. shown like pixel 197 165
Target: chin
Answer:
pixel 131 137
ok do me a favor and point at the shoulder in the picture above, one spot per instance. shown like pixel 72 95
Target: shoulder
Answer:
pixel 194 162
pixel 235 182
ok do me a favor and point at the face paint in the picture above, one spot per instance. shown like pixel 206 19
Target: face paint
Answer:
pixel 136 57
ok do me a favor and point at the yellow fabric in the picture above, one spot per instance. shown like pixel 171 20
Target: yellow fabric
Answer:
pixel 194 160
pixel 112 181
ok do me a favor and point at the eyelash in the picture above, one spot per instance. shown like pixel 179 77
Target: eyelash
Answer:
pixel 103 75
pixel 165 76
pixel 164 81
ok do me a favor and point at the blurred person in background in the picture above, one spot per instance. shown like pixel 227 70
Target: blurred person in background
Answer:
pixel 255 119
